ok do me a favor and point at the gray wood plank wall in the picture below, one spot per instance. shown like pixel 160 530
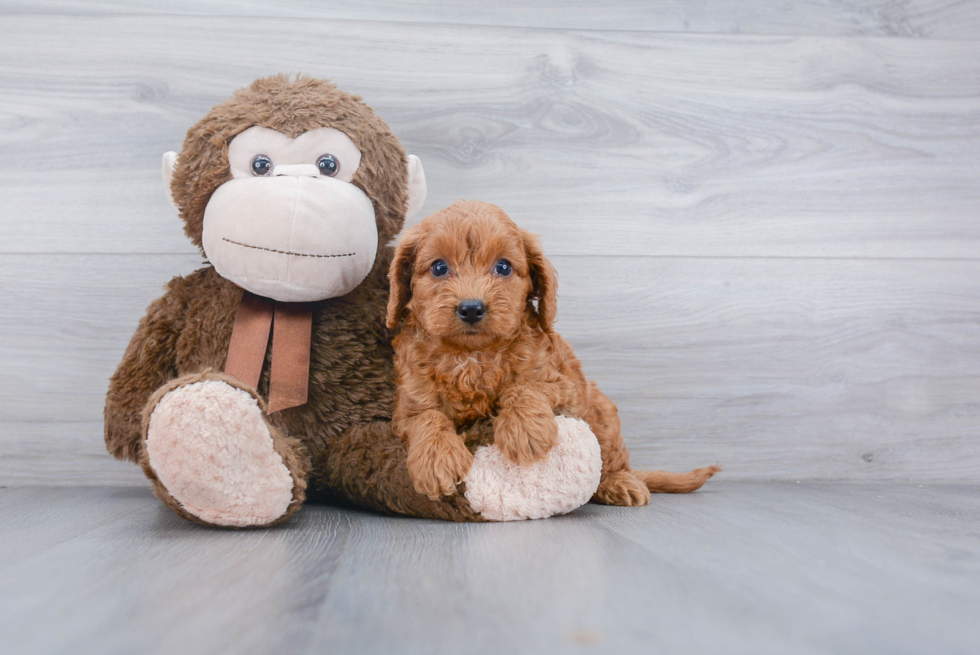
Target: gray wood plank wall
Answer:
pixel 948 19
pixel 764 215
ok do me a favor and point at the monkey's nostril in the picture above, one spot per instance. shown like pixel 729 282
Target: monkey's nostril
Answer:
pixel 471 311
pixel 296 170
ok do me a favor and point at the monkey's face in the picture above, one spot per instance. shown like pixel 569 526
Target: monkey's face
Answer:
pixel 293 187
pixel 290 225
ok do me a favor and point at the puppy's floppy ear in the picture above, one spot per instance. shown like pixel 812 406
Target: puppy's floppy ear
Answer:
pixel 400 274
pixel 544 281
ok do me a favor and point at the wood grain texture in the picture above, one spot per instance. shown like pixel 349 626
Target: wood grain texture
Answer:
pixel 776 368
pixel 614 143
pixel 944 19
pixel 768 244
pixel 734 568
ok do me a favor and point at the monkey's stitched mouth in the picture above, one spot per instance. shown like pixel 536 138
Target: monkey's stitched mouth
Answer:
pixel 286 252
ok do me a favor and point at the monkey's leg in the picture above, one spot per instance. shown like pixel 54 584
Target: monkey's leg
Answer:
pixel 368 466
pixel 215 459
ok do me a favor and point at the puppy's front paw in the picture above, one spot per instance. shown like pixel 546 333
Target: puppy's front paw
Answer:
pixel 622 488
pixel 438 464
pixel 526 435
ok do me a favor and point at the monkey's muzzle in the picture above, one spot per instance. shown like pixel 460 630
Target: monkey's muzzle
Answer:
pixel 292 238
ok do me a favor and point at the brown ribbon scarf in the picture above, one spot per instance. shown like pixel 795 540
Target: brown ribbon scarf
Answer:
pixel 289 378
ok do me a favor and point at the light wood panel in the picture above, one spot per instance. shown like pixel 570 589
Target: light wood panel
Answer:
pixel 768 244
pixel 606 142
pixel 776 368
pixel 945 19
pixel 734 568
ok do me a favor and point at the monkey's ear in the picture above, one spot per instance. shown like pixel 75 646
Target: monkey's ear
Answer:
pixel 400 274
pixel 416 187
pixel 169 164
pixel 544 281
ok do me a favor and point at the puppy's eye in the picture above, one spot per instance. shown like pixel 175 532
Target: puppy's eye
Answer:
pixel 439 268
pixel 328 165
pixel 261 165
pixel 502 268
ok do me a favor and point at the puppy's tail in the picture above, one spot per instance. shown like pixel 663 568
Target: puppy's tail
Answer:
pixel 663 482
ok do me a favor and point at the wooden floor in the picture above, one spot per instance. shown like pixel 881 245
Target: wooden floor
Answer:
pixel 736 568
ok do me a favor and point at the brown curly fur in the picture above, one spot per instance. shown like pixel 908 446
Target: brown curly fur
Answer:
pixel 342 434
pixel 511 365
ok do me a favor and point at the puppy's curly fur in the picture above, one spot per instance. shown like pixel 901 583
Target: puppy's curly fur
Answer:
pixel 509 365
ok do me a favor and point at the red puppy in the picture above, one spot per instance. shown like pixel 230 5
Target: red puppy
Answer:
pixel 478 299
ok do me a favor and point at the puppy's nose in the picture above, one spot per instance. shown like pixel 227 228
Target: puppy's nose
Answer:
pixel 471 311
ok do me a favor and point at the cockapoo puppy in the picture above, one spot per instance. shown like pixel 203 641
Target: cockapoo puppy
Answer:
pixel 477 299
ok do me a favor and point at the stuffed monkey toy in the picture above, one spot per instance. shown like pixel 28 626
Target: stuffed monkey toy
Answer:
pixel 266 377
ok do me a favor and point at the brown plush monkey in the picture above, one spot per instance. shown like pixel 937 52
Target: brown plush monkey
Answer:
pixel 293 190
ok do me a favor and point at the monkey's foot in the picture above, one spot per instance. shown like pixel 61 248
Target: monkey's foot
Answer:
pixel 217 459
pixel 564 480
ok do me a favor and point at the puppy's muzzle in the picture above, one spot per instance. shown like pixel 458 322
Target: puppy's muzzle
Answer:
pixel 471 311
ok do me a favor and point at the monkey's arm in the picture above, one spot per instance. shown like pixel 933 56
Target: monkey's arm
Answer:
pixel 149 363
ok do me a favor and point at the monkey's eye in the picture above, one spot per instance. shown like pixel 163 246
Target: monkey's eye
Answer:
pixel 261 165
pixel 503 268
pixel 439 268
pixel 328 165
